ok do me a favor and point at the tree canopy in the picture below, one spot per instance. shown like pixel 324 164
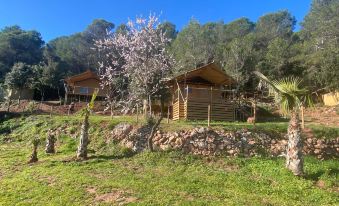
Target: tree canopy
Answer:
pixel 269 45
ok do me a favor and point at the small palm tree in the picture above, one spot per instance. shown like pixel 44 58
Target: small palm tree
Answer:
pixel 290 97
pixel 84 140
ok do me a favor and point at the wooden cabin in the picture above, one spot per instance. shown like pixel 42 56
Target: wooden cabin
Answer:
pixel 203 93
pixel 83 85
pixel 331 98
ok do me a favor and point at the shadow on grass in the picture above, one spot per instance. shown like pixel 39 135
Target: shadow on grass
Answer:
pixel 111 157
pixel 8 115
pixel 316 175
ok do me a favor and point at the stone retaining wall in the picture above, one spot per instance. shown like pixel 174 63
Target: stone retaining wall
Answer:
pixel 205 141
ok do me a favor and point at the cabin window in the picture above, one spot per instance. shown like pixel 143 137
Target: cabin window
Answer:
pixel 83 90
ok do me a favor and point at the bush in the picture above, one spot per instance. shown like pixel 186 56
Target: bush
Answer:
pixel 31 107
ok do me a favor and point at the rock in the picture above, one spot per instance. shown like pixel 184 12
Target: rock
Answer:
pixel 221 146
pixel 121 130
pixel 202 145
pixel 251 142
pixel 163 140
pixel 164 147
pixel 201 130
pixel 284 142
pixel 317 151
pixel 129 144
pixel 309 140
pixel 320 142
pixel 172 139
pixel 178 142
pixel 210 139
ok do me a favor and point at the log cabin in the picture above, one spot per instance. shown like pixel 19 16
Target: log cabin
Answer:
pixel 202 93
pixel 83 85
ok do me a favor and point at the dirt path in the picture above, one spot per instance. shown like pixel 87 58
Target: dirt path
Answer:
pixel 328 116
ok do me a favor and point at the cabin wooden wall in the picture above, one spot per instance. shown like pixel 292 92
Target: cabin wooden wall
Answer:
pixel 90 84
pixel 192 103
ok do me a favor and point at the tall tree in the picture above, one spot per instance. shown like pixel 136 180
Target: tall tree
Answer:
pixel 320 31
pixel 19 77
pixel 146 62
pixel 190 49
pixel 238 28
pixel 239 58
pixel 48 73
pixel 281 59
pixel 168 29
pixel 274 25
pixel 77 50
pixel 17 45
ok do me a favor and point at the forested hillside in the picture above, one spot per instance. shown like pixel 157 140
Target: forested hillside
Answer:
pixel 270 45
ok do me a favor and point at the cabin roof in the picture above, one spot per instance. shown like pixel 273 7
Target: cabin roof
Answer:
pixel 210 72
pixel 82 76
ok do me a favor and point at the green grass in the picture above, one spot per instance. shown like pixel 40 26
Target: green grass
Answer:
pixel 166 178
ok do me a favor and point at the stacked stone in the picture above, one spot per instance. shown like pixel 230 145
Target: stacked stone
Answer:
pixel 205 141
pixel 322 148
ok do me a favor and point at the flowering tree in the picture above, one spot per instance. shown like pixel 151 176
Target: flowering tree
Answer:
pixel 139 53
pixel 111 71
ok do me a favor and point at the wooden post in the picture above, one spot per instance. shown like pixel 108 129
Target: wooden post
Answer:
pixel 145 108
pixel 168 113
pixel 254 112
pixel 178 104
pixel 51 111
pixel 209 115
pixel 302 117
pixel 150 105
pixel 137 113
pixel 186 102
pixel 211 104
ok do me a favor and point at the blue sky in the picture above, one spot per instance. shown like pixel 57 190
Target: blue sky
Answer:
pixel 53 18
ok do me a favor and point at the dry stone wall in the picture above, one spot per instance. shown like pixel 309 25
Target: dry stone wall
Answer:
pixel 206 141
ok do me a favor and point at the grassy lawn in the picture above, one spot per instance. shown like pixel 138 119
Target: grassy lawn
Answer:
pixel 160 179
pixel 113 175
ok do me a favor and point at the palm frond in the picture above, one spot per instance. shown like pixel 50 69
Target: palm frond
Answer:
pixel 266 80
pixel 287 92
pixel 94 96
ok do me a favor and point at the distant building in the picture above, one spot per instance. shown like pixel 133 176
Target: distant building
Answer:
pixel 83 85
pixel 331 99
pixel 202 91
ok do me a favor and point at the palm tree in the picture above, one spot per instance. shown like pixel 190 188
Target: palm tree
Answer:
pixel 290 97
pixel 84 140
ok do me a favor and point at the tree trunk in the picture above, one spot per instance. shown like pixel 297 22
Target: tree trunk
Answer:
pixel 150 105
pixel 42 98
pixel 59 95
pixel 9 103
pixel 154 128
pixel 19 98
pixel 294 156
pixel 254 112
pixel 84 141
pixel 66 98
pixel 50 141
pixel 145 108
pixel 111 108
pixel 34 155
